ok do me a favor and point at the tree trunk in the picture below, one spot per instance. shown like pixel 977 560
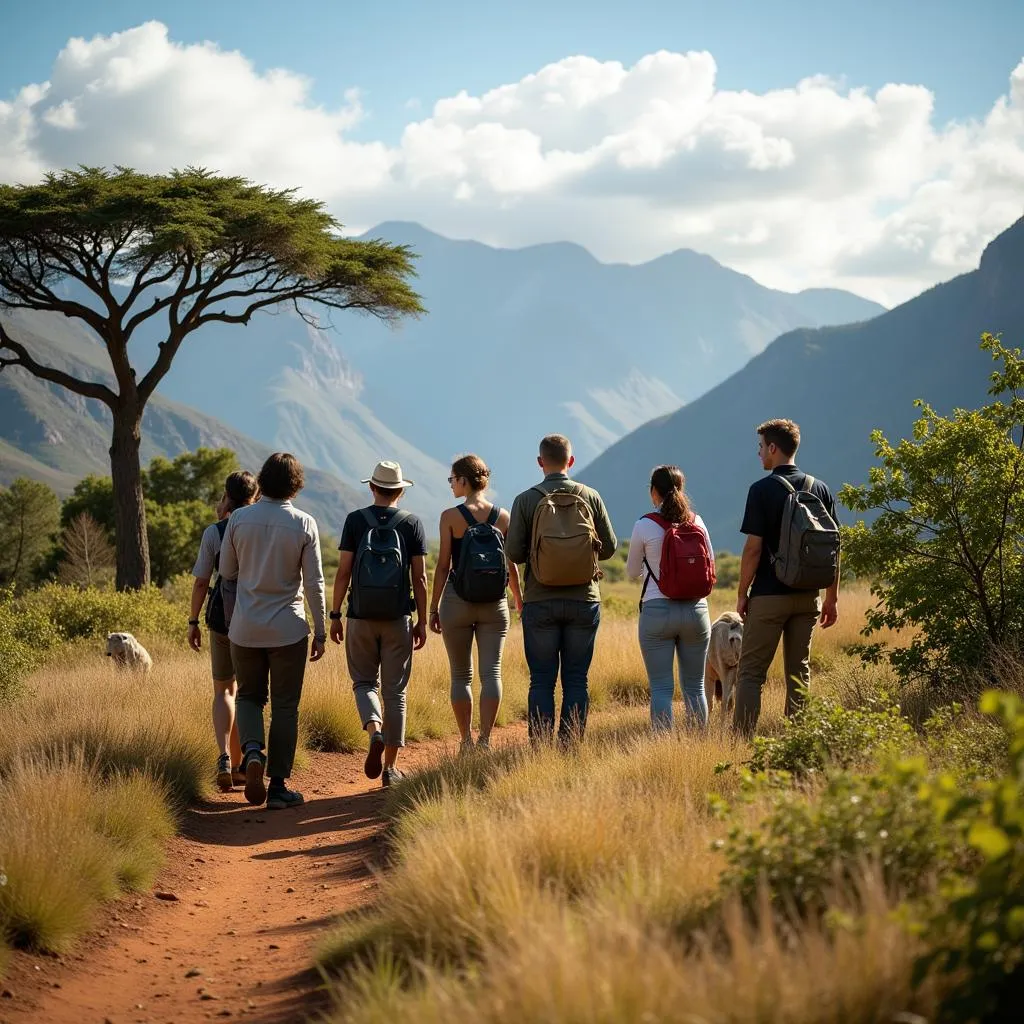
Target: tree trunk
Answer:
pixel 132 544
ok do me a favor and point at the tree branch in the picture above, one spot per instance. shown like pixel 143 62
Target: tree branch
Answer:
pixel 23 358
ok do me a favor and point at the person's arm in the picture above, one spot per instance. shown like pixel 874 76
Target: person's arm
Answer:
pixel 515 583
pixel 635 558
pixel 342 578
pixel 200 588
pixel 605 533
pixel 313 585
pixel 830 606
pixel 517 539
pixel 419 590
pixel 749 561
pixel 441 571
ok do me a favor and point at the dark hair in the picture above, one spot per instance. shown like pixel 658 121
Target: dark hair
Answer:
pixel 386 492
pixel 473 470
pixel 670 483
pixel 556 450
pixel 281 477
pixel 241 489
pixel 784 434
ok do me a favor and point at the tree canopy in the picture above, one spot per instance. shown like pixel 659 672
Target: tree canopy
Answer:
pixel 190 248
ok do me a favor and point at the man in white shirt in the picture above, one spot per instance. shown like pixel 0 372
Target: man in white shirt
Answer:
pixel 272 549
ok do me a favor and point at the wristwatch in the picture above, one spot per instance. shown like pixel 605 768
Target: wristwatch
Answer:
pixel 193 622
pixel 334 616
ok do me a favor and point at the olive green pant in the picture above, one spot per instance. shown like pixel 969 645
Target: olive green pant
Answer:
pixel 770 618
pixel 277 672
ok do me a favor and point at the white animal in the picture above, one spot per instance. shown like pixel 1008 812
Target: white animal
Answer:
pixel 723 662
pixel 128 654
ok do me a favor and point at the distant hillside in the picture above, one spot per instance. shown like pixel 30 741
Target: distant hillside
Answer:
pixel 55 436
pixel 838 383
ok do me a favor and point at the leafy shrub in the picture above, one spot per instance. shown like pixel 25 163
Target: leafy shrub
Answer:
pixel 26 635
pixel 826 734
pixel 804 850
pixel 977 934
pixel 965 743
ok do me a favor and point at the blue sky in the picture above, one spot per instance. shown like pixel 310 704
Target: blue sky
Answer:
pixel 630 127
pixel 402 49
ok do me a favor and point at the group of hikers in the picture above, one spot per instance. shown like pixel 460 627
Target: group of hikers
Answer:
pixel 265 553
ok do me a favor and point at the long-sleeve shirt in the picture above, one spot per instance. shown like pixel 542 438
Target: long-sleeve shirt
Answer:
pixel 520 538
pixel 273 550
pixel 644 555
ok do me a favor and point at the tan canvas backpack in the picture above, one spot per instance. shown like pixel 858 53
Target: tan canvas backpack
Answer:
pixel 565 543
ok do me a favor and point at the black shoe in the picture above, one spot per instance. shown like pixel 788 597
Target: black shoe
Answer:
pixel 281 797
pixel 391 776
pixel 374 757
pixel 255 787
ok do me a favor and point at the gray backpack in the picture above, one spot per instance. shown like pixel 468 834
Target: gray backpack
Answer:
pixel 808 554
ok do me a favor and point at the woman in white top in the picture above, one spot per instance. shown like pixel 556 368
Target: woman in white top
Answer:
pixel 670 629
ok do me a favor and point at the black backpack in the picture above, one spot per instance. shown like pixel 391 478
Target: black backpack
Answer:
pixel 380 578
pixel 481 576
pixel 218 615
pixel 808 554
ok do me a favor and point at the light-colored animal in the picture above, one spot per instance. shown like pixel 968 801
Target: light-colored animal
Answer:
pixel 128 653
pixel 722 665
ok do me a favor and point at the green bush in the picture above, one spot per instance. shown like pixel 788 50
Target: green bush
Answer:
pixel 826 734
pixel 26 635
pixel 803 851
pixel 977 932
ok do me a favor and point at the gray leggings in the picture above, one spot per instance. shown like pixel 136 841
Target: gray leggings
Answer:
pixel 460 620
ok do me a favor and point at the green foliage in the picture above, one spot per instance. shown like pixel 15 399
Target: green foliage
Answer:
pixel 191 476
pixel 94 496
pixel 804 851
pixel 26 636
pixel 977 932
pixel 969 745
pixel 174 535
pixel 29 518
pixel 828 735
pixel 946 548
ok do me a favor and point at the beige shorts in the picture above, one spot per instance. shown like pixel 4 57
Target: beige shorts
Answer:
pixel 220 658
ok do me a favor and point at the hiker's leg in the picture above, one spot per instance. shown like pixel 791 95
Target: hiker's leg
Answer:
pixel 658 648
pixel 796 648
pixel 223 711
pixel 491 631
pixel 542 641
pixel 580 631
pixel 457 618
pixel 762 630
pixel 692 648
pixel 362 655
pixel 287 671
pixel 252 670
pixel 395 669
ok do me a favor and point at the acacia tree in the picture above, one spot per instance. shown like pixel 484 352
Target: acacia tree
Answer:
pixel 184 249
pixel 946 551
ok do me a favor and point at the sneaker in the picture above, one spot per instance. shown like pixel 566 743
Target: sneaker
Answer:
pixel 237 776
pixel 466 746
pixel 224 773
pixel 391 776
pixel 255 787
pixel 280 798
pixel 374 756
pixel 483 742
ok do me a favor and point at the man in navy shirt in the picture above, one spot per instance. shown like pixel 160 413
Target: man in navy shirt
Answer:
pixel 771 610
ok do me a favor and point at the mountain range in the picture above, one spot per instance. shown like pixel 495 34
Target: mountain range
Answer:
pixel 516 344
pixel 838 383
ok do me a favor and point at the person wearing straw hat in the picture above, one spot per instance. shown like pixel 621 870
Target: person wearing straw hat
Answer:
pixel 383 571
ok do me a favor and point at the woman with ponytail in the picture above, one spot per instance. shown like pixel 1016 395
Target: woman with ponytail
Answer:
pixel 674 619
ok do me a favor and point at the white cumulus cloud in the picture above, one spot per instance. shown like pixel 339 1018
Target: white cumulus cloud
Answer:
pixel 815 184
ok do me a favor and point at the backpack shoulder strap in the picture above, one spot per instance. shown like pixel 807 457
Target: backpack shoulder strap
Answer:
pixel 785 483
pixel 467 515
pixel 222 526
pixel 808 482
pixel 657 517
pixel 398 518
pixel 371 519
pixel 492 517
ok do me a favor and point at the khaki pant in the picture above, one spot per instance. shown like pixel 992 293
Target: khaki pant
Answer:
pixel 379 656
pixel 791 618
pixel 277 671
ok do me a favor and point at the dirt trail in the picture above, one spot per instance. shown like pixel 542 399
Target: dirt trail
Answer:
pixel 255 890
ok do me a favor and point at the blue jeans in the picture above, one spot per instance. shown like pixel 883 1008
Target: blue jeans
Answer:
pixel 670 629
pixel 559 631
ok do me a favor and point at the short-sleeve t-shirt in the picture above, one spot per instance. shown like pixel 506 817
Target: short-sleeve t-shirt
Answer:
pixel 763 518
pixel 414 539
pixel 209 549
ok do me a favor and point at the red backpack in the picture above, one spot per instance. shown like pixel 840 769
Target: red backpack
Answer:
pixel 687 568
